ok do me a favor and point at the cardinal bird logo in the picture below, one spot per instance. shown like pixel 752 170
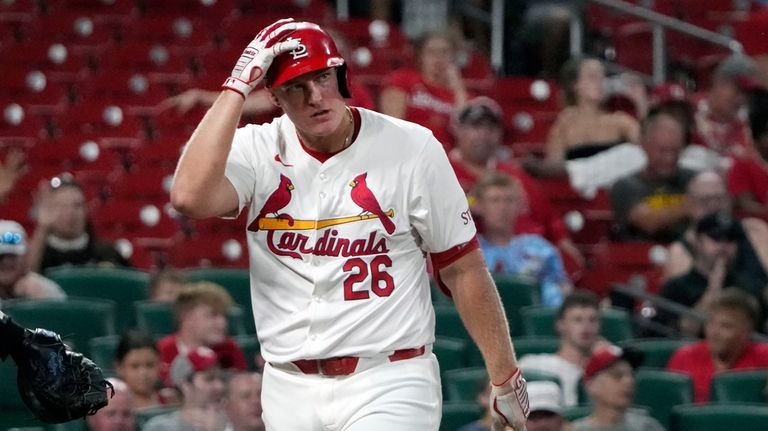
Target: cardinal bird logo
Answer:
pixel 364 198
pixel 275 202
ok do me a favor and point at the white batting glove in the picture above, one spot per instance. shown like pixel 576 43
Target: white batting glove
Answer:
pixel 509 403
pixel 258 56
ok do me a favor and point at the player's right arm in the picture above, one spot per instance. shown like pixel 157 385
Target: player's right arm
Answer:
pixel 200 188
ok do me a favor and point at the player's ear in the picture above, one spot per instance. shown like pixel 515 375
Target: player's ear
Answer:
pixel 273 98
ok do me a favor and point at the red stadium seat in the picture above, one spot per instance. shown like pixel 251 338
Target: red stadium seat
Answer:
pixel 219 250
pixel 125 87
pixel 123 217
pixel 143 58
pixel 97 117
pixel 75 28
pixel 144 183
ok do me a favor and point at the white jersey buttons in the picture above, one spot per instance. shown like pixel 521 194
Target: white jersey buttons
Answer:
pixel 323 176
pixel 323 195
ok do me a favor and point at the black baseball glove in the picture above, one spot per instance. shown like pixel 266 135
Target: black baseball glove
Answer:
pixel 56 384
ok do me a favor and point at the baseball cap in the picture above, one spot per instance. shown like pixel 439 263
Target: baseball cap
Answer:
pixel 720 227
pixel 13 238
pixel 544 396
pixel 605 357
pixel 196 360
pixel 480 109
pixel 741 70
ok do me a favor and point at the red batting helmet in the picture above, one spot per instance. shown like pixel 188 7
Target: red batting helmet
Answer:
pixel 316 51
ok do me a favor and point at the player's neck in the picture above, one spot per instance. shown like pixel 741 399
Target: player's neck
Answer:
pixel 340 139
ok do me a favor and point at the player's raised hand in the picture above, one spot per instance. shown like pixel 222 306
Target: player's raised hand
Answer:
pixel 509 403
pixel 257 57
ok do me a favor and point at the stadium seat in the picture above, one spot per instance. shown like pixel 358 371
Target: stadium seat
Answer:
pixel 448 323
pixel 458 414
pixel 218 250
pixel 739 386
pixel 157 318
pixel 123 286
pixel 538 375
pixel 249 344
pixel 144 415
pixel 451 353
pixel 516 293
pixel 103 352
pixel 656 351
pixel 660 391
pixel 465 383
pixel 535 345
pixel 14 412
pixel 540 321
pixel 719 417
pixel 76 320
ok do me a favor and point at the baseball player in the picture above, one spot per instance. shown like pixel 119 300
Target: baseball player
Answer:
pixel 344 206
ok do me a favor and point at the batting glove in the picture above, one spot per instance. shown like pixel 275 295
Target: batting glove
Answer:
pixel 509 403
pixel 258 56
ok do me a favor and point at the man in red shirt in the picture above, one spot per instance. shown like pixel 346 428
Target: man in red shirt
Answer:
pixel 732 317
pixel 201 314
pixel 748 177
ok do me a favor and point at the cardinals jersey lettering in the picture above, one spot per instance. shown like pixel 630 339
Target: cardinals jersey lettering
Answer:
pixel 338 249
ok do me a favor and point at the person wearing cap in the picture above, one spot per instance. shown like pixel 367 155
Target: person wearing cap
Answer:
pixel 546 407
pixel 528 256
pixel 16 281
pixel 243 401
pixel 722 257
pixel 198 377
pixel 119 414
pixel 609 378
pixel 720 119
pixel 732 316
pixel 650 205
pixel 345 208
pixel 479 131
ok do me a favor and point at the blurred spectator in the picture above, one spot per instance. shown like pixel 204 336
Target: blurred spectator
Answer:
pixel 119 414
pixel 583 128
pixel 11 170
pixel 578 323
pixel 478 128
pixel 748 176
pixel 483 399
pixel 243 402
pixel 650 205
pixel 723 256
pixel 137 363
pixel 546 407
pixel 201 315
pixel 732 316
pixel 626 92
pixel 430 94
pixel 672 98
pixel 707 194
pixel 16 281
pixel 609 378
pixel 720 118
pixel 528 256
pixel 64 235
pixel 258 102
pixel 165 285
pixel 198 375
pixel 540 45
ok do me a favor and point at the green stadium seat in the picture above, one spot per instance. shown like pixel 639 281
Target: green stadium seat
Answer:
pixel 458 414
pixel 540 321
pixel 124 286
pixel 656 351
pixel 538 375
pixel 26 429
pixel 660 391
pixel 249 344
pixel 157 318
pixel 144 415
pixel 516 293
pixel 448 324
pixel 451 353
pixel 740 386
pixel 76 320
pixel 535 345
pixel 464 384
pixel 236 281
pixel 13 412
pixel 103 352
pixel 719 417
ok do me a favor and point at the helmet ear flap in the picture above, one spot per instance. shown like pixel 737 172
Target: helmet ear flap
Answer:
pixel 342 77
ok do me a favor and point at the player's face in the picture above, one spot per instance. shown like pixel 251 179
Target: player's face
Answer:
pixel 70 206
pixel 614 386
pixel 499 206
pixel 589 86
pixel 207 323
pixel 580 327
pixel 313 102
pixel 206 388
pixel 244 402
pixel 116 416
pixel 478 142
pixel 140 370
pixel 727 330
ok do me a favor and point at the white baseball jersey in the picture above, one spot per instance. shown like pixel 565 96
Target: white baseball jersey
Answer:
pixel 337 249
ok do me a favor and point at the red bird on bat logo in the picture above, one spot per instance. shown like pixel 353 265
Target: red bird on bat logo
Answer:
pixel 364 198
pixel 275 202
